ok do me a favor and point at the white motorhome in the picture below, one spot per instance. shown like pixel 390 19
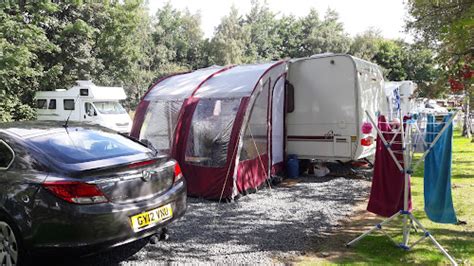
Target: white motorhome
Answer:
pixel 331 93
pixel 85 102
pixel 399 96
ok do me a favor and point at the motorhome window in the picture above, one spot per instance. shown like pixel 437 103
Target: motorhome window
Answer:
pixel 90 110
pixel 41 103
pixel 68 104
pixel 84 92
pixel 109 108
pixel 210 132
pixel 52 104
pixel 290 98
pixel 6 155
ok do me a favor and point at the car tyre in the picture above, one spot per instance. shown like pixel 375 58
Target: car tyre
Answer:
pixel 11 248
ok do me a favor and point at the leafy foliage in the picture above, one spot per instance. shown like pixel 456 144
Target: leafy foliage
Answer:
pixel 448 27
pixel 48 45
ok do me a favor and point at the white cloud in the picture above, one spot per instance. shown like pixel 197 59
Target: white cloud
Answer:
pixel 357 15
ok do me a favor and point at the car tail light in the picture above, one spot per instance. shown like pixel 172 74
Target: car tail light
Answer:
pixel 367 141
pixel 177 173
pixel 76 192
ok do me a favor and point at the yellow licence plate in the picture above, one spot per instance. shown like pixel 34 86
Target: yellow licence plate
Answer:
pixel 150 218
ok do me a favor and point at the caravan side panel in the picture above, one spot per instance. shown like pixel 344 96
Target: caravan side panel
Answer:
pixel 371 98
pixel 324 122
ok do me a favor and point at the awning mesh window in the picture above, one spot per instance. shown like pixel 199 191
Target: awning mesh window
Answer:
pixel 160 123
pixel 210 132
pixel 255 138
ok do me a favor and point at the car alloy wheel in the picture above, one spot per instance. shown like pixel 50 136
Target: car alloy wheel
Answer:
pixel 8 246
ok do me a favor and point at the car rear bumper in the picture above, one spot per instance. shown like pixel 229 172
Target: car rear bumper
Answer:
pixel 87 229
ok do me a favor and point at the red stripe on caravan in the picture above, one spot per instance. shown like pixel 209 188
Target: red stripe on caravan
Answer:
pixel 310 137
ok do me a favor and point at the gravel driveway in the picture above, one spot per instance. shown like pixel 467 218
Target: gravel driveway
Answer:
pixel 270 226
pixel 264 227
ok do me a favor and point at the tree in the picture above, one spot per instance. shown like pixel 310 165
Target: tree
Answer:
pixel 390 56
pixel 264 38
pixel 420 66
pixel 123 48
pixel 177 38
pixel 21 70
pixel 326 36
pixel 230 40
pixel 289 28
pixel 365 45
pixel 448 26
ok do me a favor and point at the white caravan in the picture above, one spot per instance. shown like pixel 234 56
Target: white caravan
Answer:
pixel 85 102
pixel 399 96
pixel 330 95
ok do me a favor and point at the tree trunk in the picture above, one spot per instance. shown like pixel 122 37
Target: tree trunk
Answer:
pixel 466 128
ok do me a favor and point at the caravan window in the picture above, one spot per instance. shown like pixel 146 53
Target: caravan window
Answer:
pixel 210 132
pixel 52 104
pixel 41 103
pixel 69 104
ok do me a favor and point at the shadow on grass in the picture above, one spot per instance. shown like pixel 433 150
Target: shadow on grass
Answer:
pixel 378 249
pixel 462 176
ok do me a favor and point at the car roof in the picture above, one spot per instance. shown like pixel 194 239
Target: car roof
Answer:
pixel 28 129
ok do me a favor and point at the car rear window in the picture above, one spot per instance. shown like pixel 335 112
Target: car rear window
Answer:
pixel 78 145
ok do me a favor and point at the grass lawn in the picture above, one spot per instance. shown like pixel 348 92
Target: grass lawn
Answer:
pixel 378 249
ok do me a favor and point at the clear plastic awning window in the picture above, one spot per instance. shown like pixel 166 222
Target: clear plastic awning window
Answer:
pixel 210 132
pixel 255 137
pixel 160 123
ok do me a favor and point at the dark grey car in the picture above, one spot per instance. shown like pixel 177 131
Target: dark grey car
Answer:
pixel 80 189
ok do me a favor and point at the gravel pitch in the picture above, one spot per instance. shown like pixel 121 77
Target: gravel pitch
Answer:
pixel 262 228
pixel 267 227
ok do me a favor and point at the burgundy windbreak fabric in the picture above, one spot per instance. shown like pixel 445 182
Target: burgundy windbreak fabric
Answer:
pixel 386 195
pixel 207 182
pixel 138 119
pixel 252 173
